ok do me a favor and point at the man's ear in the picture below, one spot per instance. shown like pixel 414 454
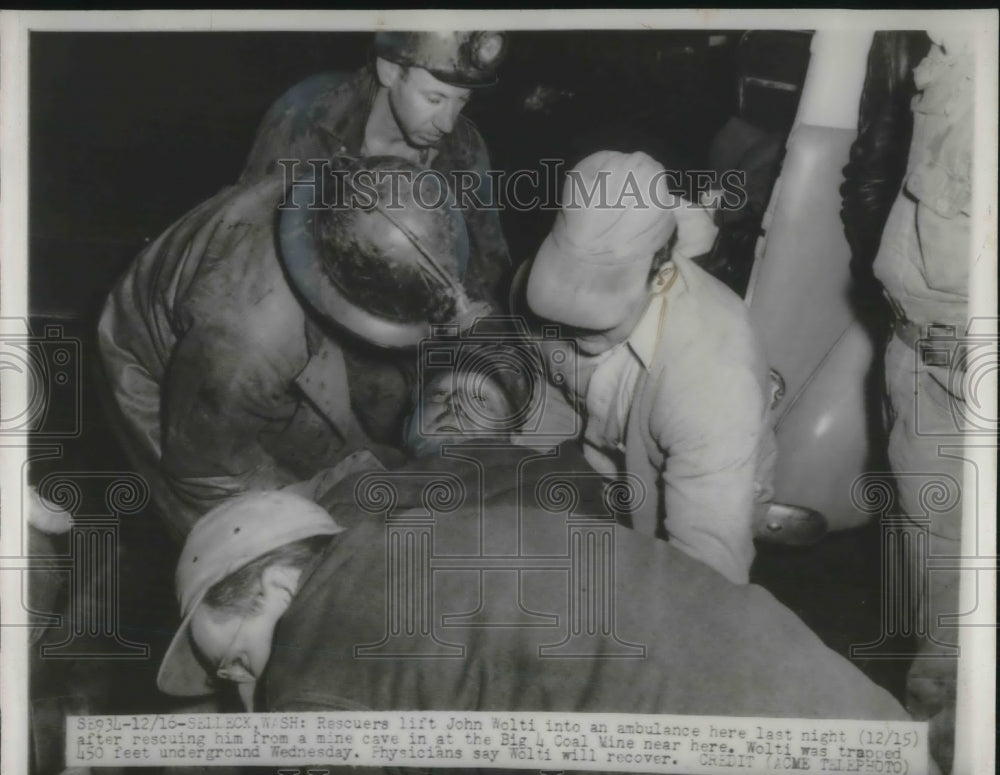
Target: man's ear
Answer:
pixel 388 72
pixel 279 583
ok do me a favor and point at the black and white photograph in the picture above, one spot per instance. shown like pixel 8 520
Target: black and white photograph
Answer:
pixel 490 390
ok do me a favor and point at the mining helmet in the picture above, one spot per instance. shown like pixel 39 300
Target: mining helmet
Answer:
pixel 383 255
pixel 466 59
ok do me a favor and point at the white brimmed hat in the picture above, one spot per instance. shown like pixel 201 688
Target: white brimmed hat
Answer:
pixel 228 537
pixel 616 213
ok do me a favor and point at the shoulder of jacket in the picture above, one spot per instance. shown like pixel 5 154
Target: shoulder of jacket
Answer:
pixel 469 131
pixel 323 92
pixel 711 332
pixel 237 229
pixel 176 247
pixel 466 144
pixel 252 203
pixel 320 86
pixel 721 308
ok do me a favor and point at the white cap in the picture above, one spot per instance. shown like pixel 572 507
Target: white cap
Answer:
pixel 600 251
pixel 228 537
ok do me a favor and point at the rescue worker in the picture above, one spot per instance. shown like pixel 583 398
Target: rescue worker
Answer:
pixel 281 598
pixel 671 378
pixel 878 156
pixel 406 103
pixel 246 351
pixel 923 263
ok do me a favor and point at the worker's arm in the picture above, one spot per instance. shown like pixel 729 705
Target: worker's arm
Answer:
pixel 223 395
pixel 710 435
pixel 878 156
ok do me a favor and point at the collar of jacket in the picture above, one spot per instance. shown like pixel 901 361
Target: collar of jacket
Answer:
pixel 345 119
pixel 646 335
pixel 324 382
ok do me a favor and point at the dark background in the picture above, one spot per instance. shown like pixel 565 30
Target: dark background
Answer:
pixel 129 131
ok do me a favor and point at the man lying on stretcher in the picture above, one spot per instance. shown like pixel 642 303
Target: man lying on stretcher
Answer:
pixel 310 607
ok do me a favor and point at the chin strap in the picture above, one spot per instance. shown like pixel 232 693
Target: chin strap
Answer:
pixel 246 692
pixel 662 284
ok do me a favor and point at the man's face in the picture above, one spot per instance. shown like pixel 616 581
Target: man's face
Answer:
pixel 424 107
pixel 235 646
pixel 573 374
pixel 593 342
pixel 454 403
pixel 593 348
pixel 455 407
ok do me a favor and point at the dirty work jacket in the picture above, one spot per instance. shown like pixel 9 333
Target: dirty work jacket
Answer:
pixel 702 645
pixel 325 116
pixel 222 382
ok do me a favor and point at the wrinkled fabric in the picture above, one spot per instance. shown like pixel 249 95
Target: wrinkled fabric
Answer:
pixel 696 229
pixel 923 263
pixel 710 647
pixel 683 405
pixel 925 444
pixel 222 383
pixel 325 116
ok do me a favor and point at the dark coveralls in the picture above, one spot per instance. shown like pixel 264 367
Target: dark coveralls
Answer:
pixel 701 645
pixel 325 116
pixel 222 380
